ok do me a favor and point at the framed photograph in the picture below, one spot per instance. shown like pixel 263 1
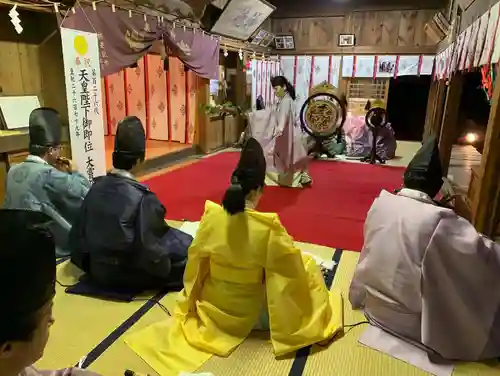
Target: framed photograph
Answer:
pixel 259 37
pixel 346 40
pixel 267 40
pixel 284 42
pixel 241 18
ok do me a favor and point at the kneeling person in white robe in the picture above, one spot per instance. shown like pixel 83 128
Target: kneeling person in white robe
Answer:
pixel 425 274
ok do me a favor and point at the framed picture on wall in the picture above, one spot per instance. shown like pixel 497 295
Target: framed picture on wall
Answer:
pixel 284 42
pixel 259 37
pixel 346 40
pixel 241 18
pixel 267 40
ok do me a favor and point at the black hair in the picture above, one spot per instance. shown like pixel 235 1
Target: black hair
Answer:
pixel 234 200
pixel 282 81
pixel 19 329
pixel 38 150
pixel 259 104
pixel 126 161
pixel 249 176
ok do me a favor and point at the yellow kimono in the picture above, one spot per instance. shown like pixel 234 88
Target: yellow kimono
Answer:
pixel 235 265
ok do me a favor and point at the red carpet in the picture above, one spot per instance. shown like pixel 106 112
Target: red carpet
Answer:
pixel 330 213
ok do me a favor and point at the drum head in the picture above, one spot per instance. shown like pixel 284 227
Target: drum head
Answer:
pixel 322 115
pixel 376 118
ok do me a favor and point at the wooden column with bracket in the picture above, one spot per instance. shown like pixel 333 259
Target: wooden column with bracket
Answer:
pixel 449 126
pixel 486 204
pixel 437 108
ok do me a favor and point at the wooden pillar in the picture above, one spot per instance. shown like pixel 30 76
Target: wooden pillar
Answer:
pixel 202 119
pixel 486 203
pixel 431 107
pixel 438 108
pixel 449 127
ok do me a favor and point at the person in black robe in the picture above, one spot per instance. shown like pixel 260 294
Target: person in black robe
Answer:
pixel 120 238
pixel 27 289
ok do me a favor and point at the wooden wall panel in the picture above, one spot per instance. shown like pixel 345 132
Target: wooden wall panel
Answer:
pixel 31 63
pixel 329 8
pixel 407 25
pixel 396 32
pixel 157 99
pixel 390 28
pixel 136 92
pixel 474 10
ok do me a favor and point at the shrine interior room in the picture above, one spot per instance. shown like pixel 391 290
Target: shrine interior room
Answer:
pixel 219 270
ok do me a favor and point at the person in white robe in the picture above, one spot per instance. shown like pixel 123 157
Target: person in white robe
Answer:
pixel 425 274
pixel 27 289
pixel 45 181
pixel 279 133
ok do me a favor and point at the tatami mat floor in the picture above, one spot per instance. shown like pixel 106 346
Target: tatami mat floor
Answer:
pixel 88 326
pixel 83 323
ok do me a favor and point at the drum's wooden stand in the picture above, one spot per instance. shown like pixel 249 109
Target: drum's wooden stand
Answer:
pixel 375 119
pixel 319 149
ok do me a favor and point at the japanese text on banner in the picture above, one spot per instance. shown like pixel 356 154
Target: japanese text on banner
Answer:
pixel 83 89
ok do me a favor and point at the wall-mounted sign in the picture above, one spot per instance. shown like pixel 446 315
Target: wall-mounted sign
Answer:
pixel 346 40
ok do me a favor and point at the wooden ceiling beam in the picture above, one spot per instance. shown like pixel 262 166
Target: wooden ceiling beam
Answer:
pixel 296 9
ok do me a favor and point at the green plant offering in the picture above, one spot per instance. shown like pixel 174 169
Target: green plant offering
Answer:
pixel 227 108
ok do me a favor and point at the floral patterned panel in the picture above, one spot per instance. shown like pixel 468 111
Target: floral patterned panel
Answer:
pixel 116 100
pixel 321 69
pixel 192 106
pixel 104 107
pixel 136 92
pixel 157 98
pixel 302 78
pixel 177 99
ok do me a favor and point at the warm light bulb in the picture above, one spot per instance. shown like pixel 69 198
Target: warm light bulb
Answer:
pixel 225 53
pixel 471 138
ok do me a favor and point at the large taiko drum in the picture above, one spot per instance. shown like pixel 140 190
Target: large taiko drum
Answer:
pixel 323 113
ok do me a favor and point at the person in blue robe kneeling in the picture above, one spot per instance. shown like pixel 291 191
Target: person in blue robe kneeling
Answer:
pixel 120 238
pixel 46 182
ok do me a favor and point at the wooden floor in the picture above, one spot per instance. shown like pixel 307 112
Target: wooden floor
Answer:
pixel 154 149
pixel 463 159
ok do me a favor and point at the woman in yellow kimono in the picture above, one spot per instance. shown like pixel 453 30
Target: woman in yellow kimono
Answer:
pixel 240 263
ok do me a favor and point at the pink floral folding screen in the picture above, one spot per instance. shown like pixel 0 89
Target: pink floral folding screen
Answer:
pixel 116 100
pixel 157 99
pixel 136 91
pixel 164 101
